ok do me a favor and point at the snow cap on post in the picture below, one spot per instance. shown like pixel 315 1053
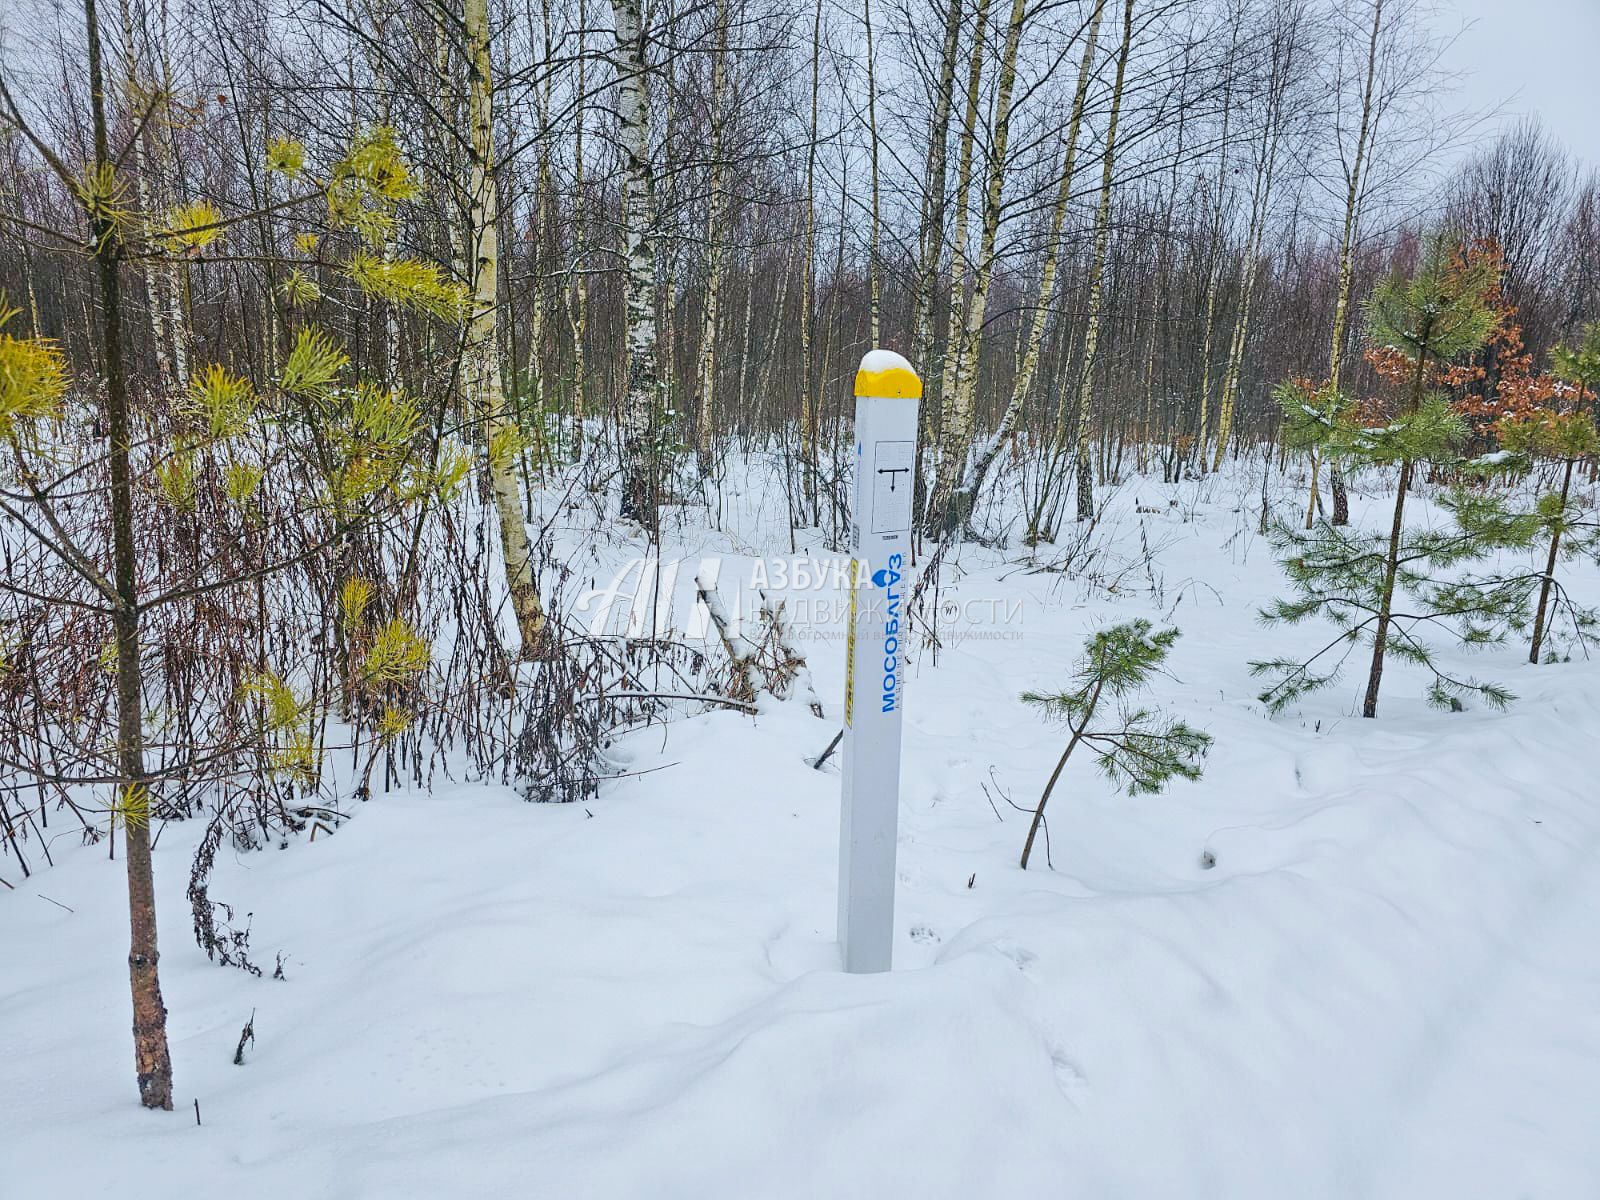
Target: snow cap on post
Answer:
pixel 885 375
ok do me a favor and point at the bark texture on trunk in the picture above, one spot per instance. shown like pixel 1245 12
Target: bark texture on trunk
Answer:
pixel 984 457
pixel 1097 271
pixel 1347 246
pixel 874 284
pixel 930 243
pixel 152 1062
pixel 944 515
pixel 1547 584
pixel 1380 639
pixel 808 291
pixel 930 235
pixel 485 390
pixel 706 368
pixel 639 400
pixel 1391 566
pixel 944 413
pixel 1285 44
pixel 578 298
pixel 1202 436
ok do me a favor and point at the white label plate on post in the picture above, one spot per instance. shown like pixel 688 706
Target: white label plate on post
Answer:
pixel 892 466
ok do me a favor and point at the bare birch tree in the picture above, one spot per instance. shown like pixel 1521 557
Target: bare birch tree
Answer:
pixel 959 420
pixel 1353 162
pixel 502 440
pixel 1102 237
pixel 983 457
pixel 1283 46
pixel 706 382
pixel 638 416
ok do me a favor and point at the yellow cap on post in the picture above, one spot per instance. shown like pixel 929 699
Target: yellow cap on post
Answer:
pixel 885 375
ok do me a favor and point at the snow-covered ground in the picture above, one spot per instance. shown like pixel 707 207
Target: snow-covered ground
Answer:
pixel 1387 985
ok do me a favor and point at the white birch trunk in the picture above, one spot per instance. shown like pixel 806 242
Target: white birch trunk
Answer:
pixel 983 457
pixel 706 368
pixel 1347 251
pixel 1097 270
pixel 930 238
pixel 954 460
pixel 1283 64
pixel 639 493
pixel 874 287
pixel 1214 269
pixel 808 405
pixel 484 391
pixel 949 378
pixel 155 275
pixel 578 296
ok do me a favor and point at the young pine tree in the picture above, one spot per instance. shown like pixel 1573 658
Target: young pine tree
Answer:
pixel 1415 326
pixel 1312 414
pixel 1138 748
pixel 1557 520
pixel 1579 365
pixel 357 451
pixel 1569 438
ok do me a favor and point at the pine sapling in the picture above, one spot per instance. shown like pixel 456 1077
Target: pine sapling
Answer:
pixel 1438 314
pixel 1415 326
pixel 1547 422
pixel 1567 439
pixel 1311 420
pixel 1339 574
pixel 1579 365
pixel 1138 748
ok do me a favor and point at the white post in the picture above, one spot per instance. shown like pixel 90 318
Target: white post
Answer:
pixel 887 391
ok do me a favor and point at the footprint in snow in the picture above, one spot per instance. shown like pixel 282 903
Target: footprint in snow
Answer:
pixel 1022 959
pixel 1072 1081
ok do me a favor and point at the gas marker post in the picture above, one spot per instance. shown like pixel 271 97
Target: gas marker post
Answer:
pixel 887 395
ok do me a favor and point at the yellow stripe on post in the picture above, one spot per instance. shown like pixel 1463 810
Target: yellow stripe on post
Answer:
pixel 884 375
pixel 850 645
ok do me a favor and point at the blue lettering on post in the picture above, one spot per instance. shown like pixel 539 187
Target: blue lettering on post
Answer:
pixel 887 578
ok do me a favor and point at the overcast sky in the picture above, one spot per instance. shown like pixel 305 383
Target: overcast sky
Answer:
pixel 1536 56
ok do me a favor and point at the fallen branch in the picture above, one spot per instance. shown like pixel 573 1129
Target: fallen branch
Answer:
pixel 740 652
pixel 744 705
pixel 793 661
